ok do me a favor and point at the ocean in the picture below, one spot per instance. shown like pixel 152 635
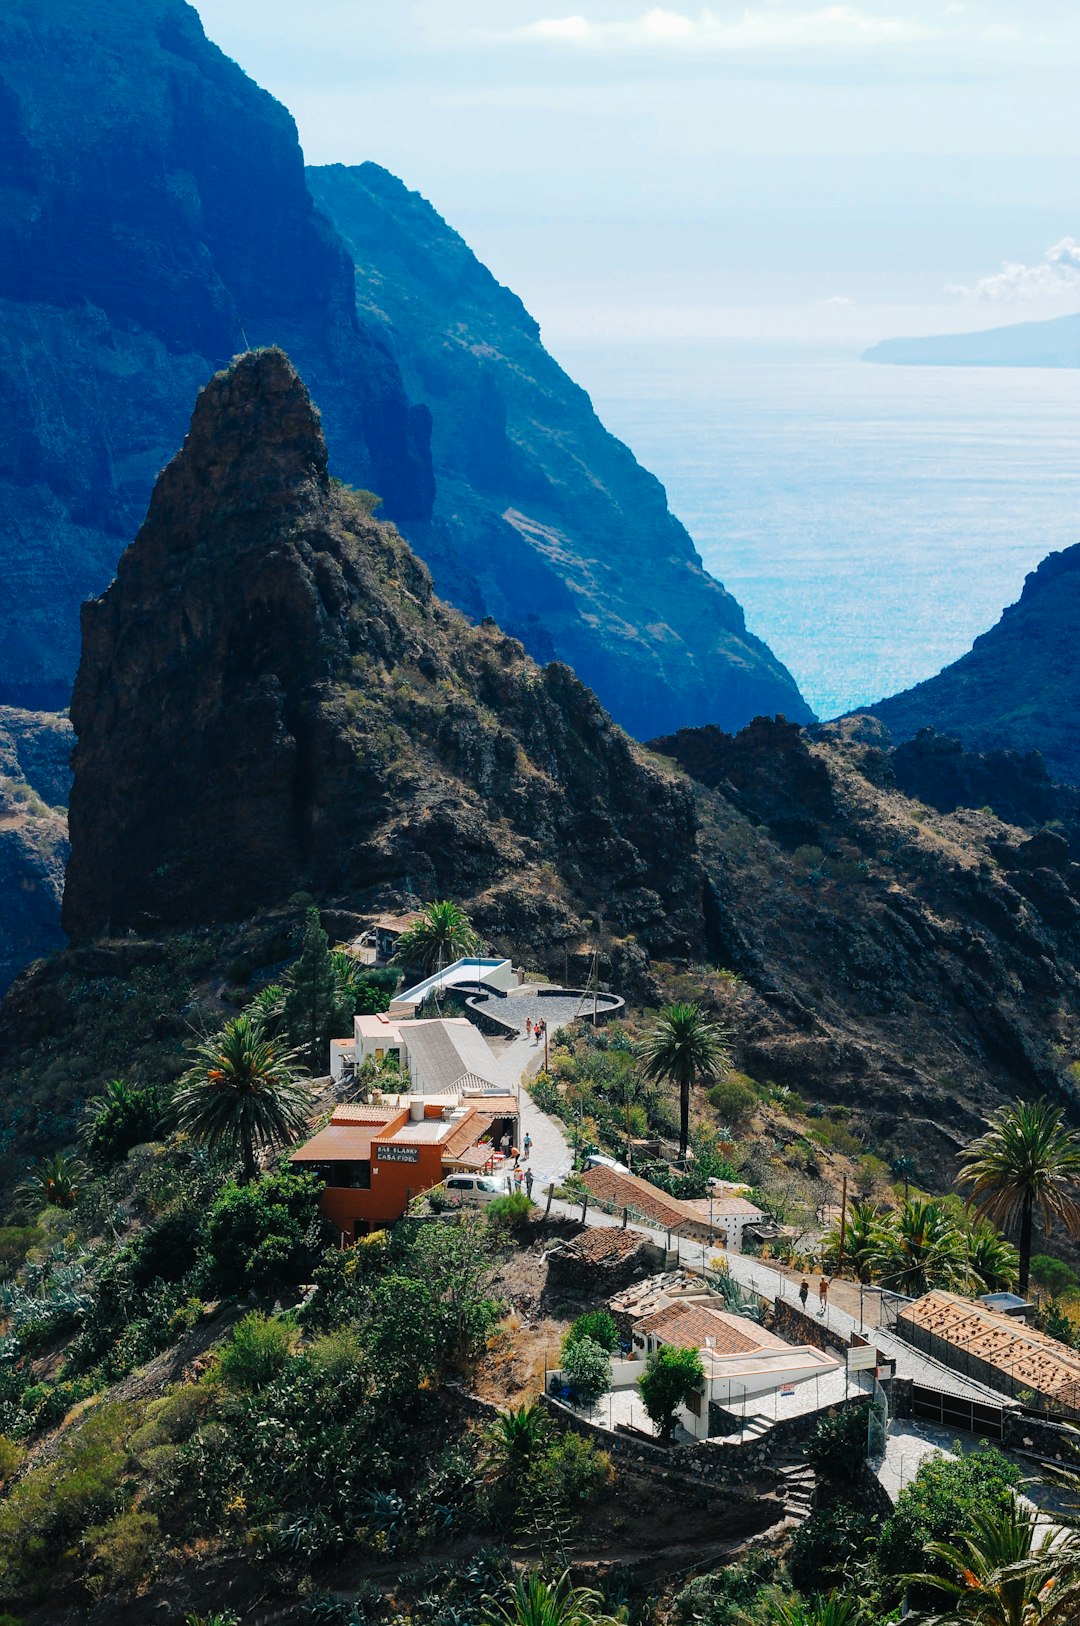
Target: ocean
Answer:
pixel 871 520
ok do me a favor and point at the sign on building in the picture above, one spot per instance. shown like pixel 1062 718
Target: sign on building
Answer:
pixel 399 1154
pixel 861 1358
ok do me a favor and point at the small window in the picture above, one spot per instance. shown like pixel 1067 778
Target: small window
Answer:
pixel 693 1404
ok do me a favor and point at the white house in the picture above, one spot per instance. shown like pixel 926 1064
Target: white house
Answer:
pixel 435 1056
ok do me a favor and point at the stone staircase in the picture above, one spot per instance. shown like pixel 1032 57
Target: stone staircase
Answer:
pixel 798 1482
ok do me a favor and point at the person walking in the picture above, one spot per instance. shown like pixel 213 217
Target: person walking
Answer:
pixel 527 1144
pixel 528 1027
pixel 528 1182
pixel 519 1181
pixel 804 1292
pixel 504 1145
pixel 823 1296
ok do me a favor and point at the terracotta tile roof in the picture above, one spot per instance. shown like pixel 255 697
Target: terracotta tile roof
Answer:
pixel 630 1191
pixel 354 1112
pixel 723 1208
pixel 467 1134
pixel 338 1143
pixel 1029 1358
pixel 698 1326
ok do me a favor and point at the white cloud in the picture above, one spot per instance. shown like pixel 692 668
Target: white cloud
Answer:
pixel 1055 276
pixel 765 28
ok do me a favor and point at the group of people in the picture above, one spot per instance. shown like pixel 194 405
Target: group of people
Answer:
pixel 536 1030
pixel 516 1178
pixel 822 1293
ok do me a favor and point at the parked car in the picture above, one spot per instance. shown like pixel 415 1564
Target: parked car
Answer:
pixel 474 1188
pixel 597 1160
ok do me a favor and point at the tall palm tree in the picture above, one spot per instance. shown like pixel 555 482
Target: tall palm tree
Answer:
pixel 240 1094
pixel 536 1602
pixel 919 1248
pixel 1027 1159
pixel 682 1048
pixel 443 933
pixel 1002 1573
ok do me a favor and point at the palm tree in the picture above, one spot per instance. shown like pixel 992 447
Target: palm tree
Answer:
pixel 443 933
pixel 993 1260
pixel 862 1240
pixel 54 1181
pixel 536 1602
pixel 241 1094
pixel 1026 1159
pixel 682 1048
pixel 517 1436
pixel 999 1574
pixel 919 1248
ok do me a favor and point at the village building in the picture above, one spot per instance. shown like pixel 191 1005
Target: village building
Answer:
pixel 720 1219
pixel 993 1347
pixel 375 1159
pixel 433 1054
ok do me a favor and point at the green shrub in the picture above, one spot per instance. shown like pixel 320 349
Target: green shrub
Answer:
pixel 120 1552
pixel 509 1212
pixel 266 1232
pixel 837 1445
pixel 15 1243
pixel 123 1116
pixel 734 1100
pixel 587 1370
pixel 258 1350
pixel 599 1325
pixel 1054 1276
pixel 938 1505
pixel 828 1546
pixel 724 1597
pixel 568 1476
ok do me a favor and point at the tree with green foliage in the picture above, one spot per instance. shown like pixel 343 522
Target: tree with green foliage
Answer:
pixel 599 1325
pixel 831 1546
pixel 940 1504
pixel 671 1376
pixel 265 1232
pixel 532 1601
pixel 922 1247
pixel 833 1609
pixel 442 934
pixel 734 1100
pixel 863 1231
pixel 586 1367
pixel 518 1436
pixel 241 1094
pixel 256 1352
pixel 682 1048
pixel 1054 1276
pixel 1026 1160
pixel 992 1259
pixel 1000 1572
pixel 836 1447
pixel 122 1116
pixel 54 1181
pixel 312 997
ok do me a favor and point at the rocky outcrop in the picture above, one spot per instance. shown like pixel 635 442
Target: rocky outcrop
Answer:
pixel 543 519
pixel 767 771
pixel 35 778
pixel 1018 688
pixel 155 221
pixel 271 698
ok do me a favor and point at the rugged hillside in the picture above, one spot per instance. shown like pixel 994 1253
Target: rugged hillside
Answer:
pixel 912 966
pixel 1055 343
pixel 1018 688
pixel 550 524
pixel 155 221
pixel 34 782
pixel 271 698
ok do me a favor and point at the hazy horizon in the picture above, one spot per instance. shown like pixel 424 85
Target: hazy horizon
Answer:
pixel 776 170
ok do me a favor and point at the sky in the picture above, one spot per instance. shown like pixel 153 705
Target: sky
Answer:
pixel 765 170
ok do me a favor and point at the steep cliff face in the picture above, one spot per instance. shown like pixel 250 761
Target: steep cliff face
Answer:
pixel 543 519
pixel 271 698
pixel 35 778
pixel 1018 687
pixel 913 966
pixel 155 221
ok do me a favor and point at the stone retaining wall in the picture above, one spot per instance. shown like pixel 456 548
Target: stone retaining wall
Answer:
pixel 714 1462
pixel 799 1327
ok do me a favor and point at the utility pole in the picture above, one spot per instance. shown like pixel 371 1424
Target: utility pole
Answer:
pixel 545 1047
pixel 843 1228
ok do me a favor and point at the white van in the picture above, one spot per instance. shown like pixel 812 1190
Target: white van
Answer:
pixel 474 1188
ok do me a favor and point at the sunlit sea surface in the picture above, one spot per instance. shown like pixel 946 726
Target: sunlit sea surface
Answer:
pixel 871 520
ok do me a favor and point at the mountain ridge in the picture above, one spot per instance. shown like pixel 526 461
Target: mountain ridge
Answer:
pixel 1051 343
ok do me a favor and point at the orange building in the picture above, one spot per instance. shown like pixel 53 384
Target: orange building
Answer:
pixel 376 1159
